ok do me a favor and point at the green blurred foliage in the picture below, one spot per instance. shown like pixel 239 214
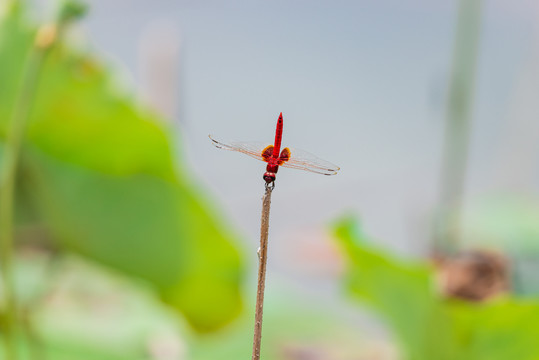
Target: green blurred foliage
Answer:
pixel 87 312
pixel 296 326
pixel 429 326
pixel 98 173
pixel 80 310
pixel 504 221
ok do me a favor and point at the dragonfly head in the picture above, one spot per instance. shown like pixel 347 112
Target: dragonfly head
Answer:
pixel 269 177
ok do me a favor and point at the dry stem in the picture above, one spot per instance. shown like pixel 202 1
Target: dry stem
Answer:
pixel 263 257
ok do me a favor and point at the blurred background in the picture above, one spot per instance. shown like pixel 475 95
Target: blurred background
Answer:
pixel 126 235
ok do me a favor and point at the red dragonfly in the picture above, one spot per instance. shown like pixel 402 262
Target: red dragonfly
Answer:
pixel 272 154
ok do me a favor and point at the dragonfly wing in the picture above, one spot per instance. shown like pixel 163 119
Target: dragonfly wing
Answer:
pixel 253 149
pixel 303 160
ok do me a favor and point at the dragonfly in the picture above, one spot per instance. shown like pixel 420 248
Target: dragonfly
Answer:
pixel 274 157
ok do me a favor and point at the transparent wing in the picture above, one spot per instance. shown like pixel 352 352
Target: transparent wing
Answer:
pixel 253 149
pixel 299 159
pixel 303 160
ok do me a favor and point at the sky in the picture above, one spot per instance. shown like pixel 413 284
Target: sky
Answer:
pixel 362 84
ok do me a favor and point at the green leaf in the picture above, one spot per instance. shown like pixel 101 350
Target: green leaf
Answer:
pixel 429 326
pixel 100 174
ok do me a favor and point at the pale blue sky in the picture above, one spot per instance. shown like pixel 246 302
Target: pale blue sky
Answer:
pixel 360 83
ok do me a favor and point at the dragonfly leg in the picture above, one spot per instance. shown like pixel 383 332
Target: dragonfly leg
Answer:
pixel 270 182
pixel 258 253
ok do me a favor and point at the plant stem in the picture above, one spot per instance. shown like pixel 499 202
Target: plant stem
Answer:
pixel 45 38
pixel 14 136
pixel 458 123
pixel 263 258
